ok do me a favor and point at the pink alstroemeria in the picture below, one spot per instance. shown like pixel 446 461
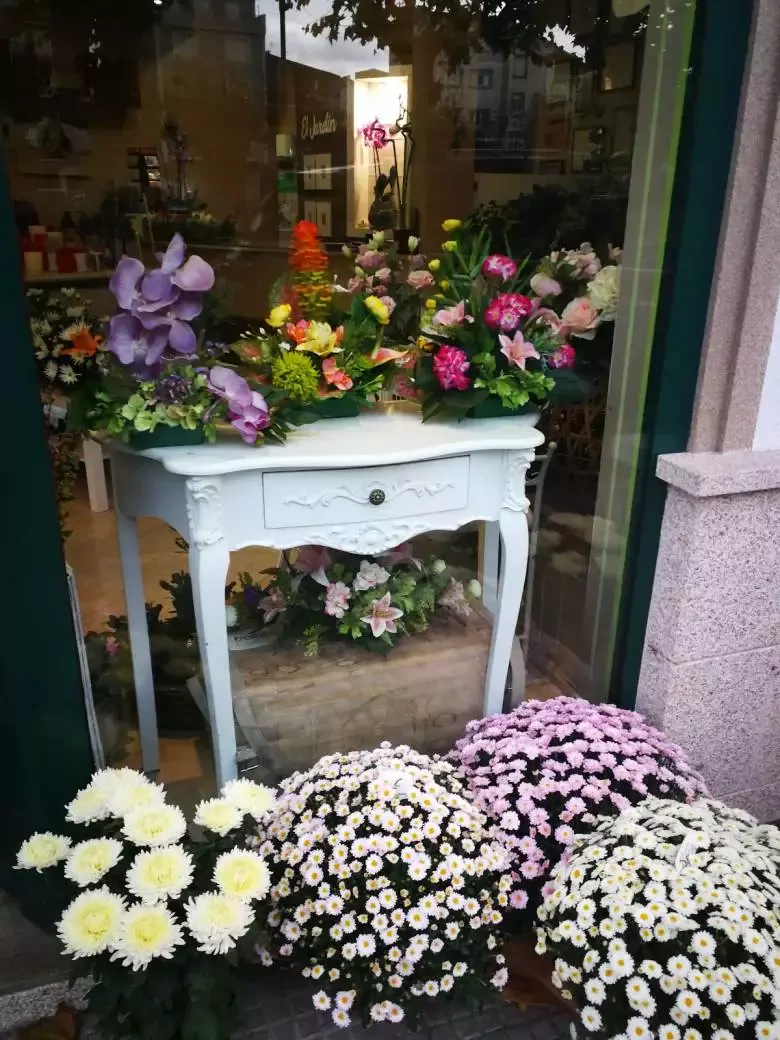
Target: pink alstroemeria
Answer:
pixel 383 616
pixel 310 558
pixel 517 350
pixel 449 317
pixel 335 376
pixel 337 597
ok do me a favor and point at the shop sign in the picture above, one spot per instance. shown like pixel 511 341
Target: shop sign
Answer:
pixel 312 127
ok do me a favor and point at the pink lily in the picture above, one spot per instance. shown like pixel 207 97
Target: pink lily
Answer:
pixel 451 316
pixel 383 616
pixel 517 350
pixel 311 558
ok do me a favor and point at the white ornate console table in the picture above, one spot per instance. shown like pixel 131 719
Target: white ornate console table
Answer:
pixel 363 485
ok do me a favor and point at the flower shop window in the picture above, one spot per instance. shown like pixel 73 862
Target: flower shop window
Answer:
pixel 209 130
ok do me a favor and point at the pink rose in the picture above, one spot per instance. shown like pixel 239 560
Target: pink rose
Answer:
pixel 384 274
pixel 581 318
pixel 544 285
pixel 420 279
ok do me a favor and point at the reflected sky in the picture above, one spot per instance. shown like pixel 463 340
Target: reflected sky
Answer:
pixel 344 57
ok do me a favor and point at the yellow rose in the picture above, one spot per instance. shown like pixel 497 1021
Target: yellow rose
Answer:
pixel 434 264
pixel 450 245
pixel 430 305
pixel 451 225
pixel 378 309
pixel 279 315
pixel 444 284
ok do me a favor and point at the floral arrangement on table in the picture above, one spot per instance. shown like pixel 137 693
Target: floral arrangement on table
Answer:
pixel 386 888
pixel 548 770
pixel 495 338
pixel 160 914
pixel 326 596
pixel 163 372
pixel 199 226
pixel 382 214
pixel 665 922
pixel 403 284
pixel 321 368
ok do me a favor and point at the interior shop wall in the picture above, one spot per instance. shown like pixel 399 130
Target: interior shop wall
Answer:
pixel 211 82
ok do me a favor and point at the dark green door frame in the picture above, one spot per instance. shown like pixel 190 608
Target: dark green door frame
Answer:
pixel 719 51
pixel 45 753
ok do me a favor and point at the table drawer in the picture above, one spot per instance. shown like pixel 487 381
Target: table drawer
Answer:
pixel 343 496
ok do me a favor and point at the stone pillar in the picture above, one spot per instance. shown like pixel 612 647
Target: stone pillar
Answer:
pixel 711 669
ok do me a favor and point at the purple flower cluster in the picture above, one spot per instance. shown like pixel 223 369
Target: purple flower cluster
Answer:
pixel 548 769
pixel 247 409
pixel 157 307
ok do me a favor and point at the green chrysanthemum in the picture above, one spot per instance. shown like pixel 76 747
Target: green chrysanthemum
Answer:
pixel 296 376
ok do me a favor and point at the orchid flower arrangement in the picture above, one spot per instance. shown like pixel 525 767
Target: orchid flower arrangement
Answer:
pixel 548 770
pixel 329 596
pixel 493 339
pixel 158 916
pixel 665 923
pixel 386 887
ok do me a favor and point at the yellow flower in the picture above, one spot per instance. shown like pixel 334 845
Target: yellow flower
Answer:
pixel 451 225
pixel 90 860
pixel 434 264
pixel 91 922
pixel 42 851
pixel 242 873
pixel 430 305
pixel 378 309
pixel 218 815
pixel 159 874
pixel 423 343
pixel 279 315
pixel 444 284
pixel 155 825
pixel 450 245
pixel 321 339
pixel 146 932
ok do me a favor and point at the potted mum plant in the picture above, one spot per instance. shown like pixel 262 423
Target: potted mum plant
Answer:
pixel 550 769
pixel 665 922
pixel 328 596
pixel 493 339
pixel 386 887
pixel 160 914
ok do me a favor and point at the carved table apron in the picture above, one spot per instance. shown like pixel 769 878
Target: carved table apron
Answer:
pixel 363 485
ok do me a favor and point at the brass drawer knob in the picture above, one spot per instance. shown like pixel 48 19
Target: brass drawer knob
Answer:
pixel 377 497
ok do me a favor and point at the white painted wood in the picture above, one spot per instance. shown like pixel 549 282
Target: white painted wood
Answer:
pixel 96 475
pixel 490 561
pixel 138 631
pixel 294 499
pixel 221 497
pixel 767 432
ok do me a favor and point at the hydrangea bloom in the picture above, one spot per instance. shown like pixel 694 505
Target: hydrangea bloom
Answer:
pixel 385 886
pixel 665 922
pixel 550 768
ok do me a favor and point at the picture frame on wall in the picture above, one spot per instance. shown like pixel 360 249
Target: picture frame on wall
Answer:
pixel 619 72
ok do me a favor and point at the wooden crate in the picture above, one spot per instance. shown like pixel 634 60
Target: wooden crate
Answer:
pixel 293 709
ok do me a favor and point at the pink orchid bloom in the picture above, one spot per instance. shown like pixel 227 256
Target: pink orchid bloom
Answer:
pixel 335 376
pixel 383 616
pixel 449 317
pixel 517 350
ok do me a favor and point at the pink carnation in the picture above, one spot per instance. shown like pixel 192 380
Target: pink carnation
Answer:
pixel 500 266
pixel 563 357
pixel 509 310
pixel 450 365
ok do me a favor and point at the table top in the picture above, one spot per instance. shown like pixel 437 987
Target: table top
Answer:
pixel 371 439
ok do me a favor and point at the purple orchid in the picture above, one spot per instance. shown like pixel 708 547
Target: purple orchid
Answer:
pixel 163 301
pixel 134 345
pixel 247 409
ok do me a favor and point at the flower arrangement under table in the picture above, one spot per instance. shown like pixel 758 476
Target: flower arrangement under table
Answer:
pixel 665 922
pixel 160 916
pixel 325 596
pixel 496 336
pixel 386 887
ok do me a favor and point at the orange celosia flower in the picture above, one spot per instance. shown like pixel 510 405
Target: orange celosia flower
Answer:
pixel 83 344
